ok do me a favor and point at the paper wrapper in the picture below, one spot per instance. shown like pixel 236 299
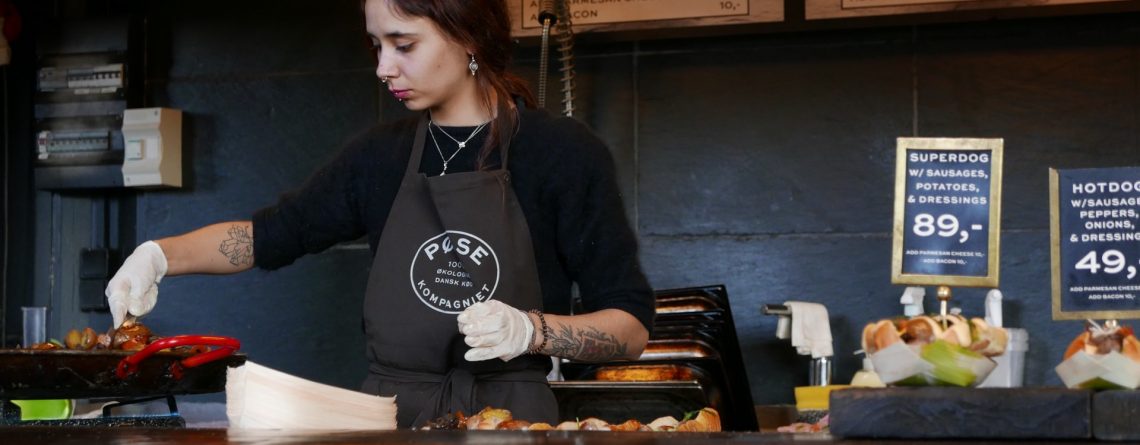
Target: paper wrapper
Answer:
pixel 1109 371
pixel 260 398
pixel 936 364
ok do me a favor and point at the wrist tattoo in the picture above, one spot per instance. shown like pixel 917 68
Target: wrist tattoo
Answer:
pixel 238 248
pixel 586 345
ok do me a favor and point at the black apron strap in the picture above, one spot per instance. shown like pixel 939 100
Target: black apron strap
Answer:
pixel 413 167
pixel 505 135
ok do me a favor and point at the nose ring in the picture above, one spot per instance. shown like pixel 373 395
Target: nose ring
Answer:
pixel 384 79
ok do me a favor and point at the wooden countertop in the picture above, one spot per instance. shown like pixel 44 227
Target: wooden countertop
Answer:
pixel 152 436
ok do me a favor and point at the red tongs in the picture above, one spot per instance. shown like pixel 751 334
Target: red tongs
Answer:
pixel 225 346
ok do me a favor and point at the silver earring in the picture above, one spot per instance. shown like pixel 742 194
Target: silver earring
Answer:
pixel 384 79
pixel 472 65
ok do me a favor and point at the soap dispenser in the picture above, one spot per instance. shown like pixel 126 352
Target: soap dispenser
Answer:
pixel 912 301
pixel 993 307
pixel 1011 365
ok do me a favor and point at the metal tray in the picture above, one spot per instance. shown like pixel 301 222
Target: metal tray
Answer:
pixel 616 402
pixel 678 349
pixel 682 304
pixel 70 374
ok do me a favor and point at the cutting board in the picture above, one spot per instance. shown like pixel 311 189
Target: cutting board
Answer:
pixel 962 413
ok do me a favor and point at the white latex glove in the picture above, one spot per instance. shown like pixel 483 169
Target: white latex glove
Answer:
pixel 134 287
pixel 494 329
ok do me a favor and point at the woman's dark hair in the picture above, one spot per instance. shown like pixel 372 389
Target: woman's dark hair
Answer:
pixel 484 25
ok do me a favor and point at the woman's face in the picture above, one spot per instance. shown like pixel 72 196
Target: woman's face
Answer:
pixel 424 68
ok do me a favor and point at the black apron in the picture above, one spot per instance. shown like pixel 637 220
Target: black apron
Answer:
pixel 451 241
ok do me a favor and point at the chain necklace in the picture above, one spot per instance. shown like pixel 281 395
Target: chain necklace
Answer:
pixel 461 144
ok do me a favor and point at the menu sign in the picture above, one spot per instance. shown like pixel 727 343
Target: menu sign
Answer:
pixel 947 212
pixel 1095 222
pixel 876 3
pixel 832 9
pixel 595 16
pixel 613 11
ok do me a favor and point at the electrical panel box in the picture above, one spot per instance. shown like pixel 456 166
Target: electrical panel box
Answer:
pixel 88 73
pixel 152 147
pixel 80 101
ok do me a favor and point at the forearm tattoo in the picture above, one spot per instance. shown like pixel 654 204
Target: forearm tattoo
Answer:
pixel 238 248
pixel 585 345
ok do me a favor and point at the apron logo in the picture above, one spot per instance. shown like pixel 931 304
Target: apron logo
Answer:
pixel 454 270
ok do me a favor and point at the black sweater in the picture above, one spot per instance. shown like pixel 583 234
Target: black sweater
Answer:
pixel 563 177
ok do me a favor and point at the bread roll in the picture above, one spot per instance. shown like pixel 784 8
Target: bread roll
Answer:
pixel 593 424
pixel 568 425
pixel 710 418
pixel 667 423
pixel 707 420
pixel 488 419
pixel 513 424
pixel 629 425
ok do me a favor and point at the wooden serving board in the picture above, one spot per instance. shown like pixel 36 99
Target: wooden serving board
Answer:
pixel 1114 415
pixel 962 413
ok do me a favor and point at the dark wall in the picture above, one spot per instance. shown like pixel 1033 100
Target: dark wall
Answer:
pixel 766 162
pixel 18 80
pixel 763 162
pixel 268 90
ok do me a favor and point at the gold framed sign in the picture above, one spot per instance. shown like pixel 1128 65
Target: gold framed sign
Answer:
pixel 1094 221
pixel 947 221
pixel 639 15
pixel 834 9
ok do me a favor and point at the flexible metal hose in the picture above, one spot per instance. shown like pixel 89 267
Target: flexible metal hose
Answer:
pixel 548 17
pixel 543 63
pixel 566 56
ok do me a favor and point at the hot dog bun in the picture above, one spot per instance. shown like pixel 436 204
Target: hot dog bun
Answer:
pixel 988 340
pixel 1078 344
pixel 920 330
pixel 1097 340
pixel 957 331
pixel 1131 348
pixel 877 336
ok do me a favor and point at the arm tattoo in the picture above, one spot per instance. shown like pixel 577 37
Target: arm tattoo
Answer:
pixel 586 345
pixel 239 247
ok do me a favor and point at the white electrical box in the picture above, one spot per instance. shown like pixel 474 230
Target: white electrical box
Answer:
pixel 152 147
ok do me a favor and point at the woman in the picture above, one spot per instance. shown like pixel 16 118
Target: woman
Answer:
pixel 480 213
